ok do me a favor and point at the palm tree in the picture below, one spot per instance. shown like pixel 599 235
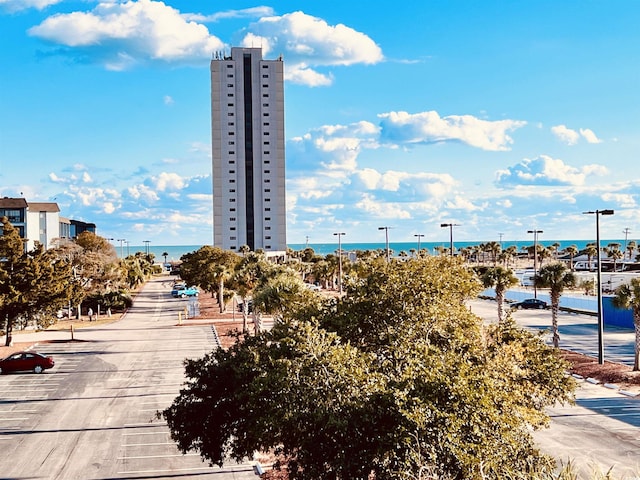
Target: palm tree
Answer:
pixel 613 251
pixel 590 251
pixel 494 249
pixel 572 251
pixel 556 277
pixel 500 279
pixel 628 296
pixel 631 246
pixel 165 255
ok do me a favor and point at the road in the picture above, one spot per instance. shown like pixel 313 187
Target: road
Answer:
pixel 602 430
pixel 93 416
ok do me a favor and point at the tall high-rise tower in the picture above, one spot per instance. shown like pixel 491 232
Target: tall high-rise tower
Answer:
pixel 247 127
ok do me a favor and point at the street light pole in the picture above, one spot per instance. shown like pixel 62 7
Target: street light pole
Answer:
pixel 450 225
pixel 340 234
pixel 597 213
pixel 386 236
pixel 419 235
pixel 535 260
pixel 121 240
pixel 146 244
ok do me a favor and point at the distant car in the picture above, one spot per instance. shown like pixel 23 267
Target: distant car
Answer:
pixel 182 291
pixel 26 361
pixel 529 303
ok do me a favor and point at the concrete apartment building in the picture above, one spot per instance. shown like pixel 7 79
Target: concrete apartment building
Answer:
pixel 247 126
pixel 40 222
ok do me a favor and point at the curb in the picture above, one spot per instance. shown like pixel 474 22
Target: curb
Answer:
pixel 612 386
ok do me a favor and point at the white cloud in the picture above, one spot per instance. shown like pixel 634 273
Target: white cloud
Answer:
pixel 589 136
pixel 168 100
pixel 380 209
pixel 545 170
pixel 571 137
pixel 429 127
pixel 19 5
pixel 122 34
pixel 253 12
pixel 308 42
pixel 566 135
pixel 168 181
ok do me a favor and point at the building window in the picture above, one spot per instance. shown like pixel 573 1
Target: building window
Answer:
pixel 232 172
pixel 232 162
pixel 265 66
pixel 229 104
pixel 231 124
pixel 231 142
pixel 230 75
pixel 267 199
pixel 233 229
pixel 268 237
pixel 232 180
pixel 232 200
pixel 268 247
pixel 232 133
pixel 267 218
pixel 265 124
pixel 267 172
pixel 266 180
pixel 266 142
pixel 267 190
pixel 232 152
pixel 230 85
pixel 265 86
pixel 265 114
pixel 229 65
pixel 267 209
pixel 232 219
pixel 267 228
pixel 265 104
pixel 230 114
pixel 232 209
pixel 265 76
pixel 266 133
pixel 232 190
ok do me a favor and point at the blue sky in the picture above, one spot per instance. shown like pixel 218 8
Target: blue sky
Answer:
pixel 499 116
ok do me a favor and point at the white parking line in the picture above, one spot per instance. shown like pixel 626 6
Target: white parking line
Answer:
pixel 138 457
pixel 147 444
pixel 135 472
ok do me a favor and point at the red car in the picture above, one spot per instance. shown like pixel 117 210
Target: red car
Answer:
pixel 26 361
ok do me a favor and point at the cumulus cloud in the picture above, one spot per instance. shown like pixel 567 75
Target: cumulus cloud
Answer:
pixel 334 147
pixel 571 137
pixel 429 127
pixel 589 136
pixel 309 42
pixel 545 170
pixel 379 209
pixel 167 181
pixel 120 35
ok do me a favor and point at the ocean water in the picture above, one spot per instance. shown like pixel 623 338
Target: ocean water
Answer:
pixel 174 252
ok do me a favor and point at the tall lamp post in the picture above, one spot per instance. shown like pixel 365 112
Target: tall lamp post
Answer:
pixel 419 235
pixel 386 236
pixel 340 234
pixel 146 245
pixel 597 213
pixel 450 225
pixel 121 240
pixel 535 260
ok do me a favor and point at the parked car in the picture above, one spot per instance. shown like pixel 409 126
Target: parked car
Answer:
pixel 530 303
pixel 26 361
pixel 183 291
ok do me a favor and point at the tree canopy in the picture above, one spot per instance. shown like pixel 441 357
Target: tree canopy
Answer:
pixel 32 283
pixel 396 376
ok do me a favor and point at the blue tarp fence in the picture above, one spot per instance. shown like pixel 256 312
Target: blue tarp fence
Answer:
pixel 582 303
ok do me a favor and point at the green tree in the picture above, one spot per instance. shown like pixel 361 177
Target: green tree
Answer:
pixel 591 251
pixel 500 279
pixel 628 296
pixel 249 272
pixel 32 284
pixel 209 268
pixel 572 251
pixel 556 277
pixel 396 376
pixel 613 251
